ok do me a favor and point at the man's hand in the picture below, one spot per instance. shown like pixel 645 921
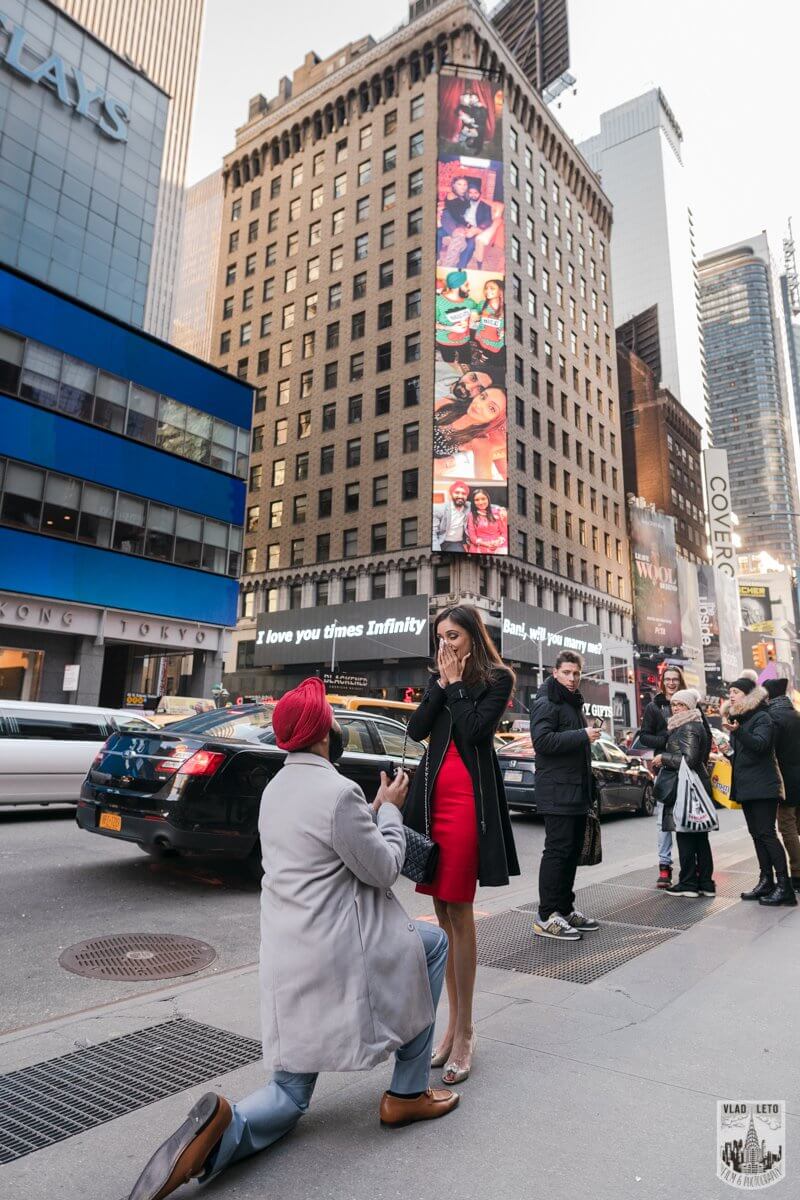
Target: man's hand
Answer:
pixel 392 791
pixel 593 734
pixel 657 761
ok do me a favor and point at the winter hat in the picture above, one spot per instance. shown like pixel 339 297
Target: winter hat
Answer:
pixel 745 683
pixel 688 697
pixel 749 673
pixel 302 716
pixel 456 279
pixel 776 687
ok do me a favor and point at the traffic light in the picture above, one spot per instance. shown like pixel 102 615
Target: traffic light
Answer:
pixel 760 656
pixel 771 655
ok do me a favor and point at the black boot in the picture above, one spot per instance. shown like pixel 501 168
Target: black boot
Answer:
pixel 765 885
pixel 782 894
pixel 795 882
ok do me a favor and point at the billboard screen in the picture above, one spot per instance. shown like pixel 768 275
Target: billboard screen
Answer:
pixel 729 618
pixel 657 613
pixel 470 398
pixel 524 628
pixel 756 605
pixel 374 629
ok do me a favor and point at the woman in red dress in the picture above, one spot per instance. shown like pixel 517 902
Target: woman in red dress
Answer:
pixel 458 795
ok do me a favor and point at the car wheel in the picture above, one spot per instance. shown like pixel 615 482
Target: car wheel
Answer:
pixel 648 804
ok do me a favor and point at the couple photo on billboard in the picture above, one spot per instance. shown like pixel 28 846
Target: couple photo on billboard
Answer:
pixel 470 418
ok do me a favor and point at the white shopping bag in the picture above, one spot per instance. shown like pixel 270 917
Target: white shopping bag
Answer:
pixel 694 810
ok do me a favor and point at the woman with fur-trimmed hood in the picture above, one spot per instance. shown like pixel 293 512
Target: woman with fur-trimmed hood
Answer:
pixel 757 785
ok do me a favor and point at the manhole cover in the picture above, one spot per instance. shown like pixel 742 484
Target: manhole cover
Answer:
pixel 138 956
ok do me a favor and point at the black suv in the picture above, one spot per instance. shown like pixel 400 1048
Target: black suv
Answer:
pixel 194 787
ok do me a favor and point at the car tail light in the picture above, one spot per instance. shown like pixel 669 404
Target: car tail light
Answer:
pixel 177 757
pixel 98 758
pixel 202 762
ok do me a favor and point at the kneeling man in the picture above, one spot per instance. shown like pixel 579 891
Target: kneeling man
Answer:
pixel 346 977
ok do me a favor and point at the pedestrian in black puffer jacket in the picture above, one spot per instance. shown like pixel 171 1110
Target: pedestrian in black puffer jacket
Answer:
pixel 758 787
pixel 686 739
pixel 787 750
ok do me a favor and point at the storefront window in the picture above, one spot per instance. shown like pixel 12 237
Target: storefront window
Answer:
pixel 20 673
pixel 11 349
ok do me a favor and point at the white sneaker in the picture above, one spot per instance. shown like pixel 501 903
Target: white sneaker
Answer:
pixel 555 926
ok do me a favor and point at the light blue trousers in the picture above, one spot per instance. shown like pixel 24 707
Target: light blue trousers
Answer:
pixel 664 840
pixel 273 1110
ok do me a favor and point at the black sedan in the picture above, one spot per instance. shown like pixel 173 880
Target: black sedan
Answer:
pixel 624 783
pixel 195 786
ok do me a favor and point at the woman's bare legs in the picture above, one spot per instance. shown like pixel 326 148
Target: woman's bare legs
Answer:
pixel 445 1048
pixel 462 963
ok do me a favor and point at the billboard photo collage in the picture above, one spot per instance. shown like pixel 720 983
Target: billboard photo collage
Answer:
pixel 470 432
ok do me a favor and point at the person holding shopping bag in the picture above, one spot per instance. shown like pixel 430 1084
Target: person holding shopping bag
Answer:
pixel 458 785
pixel 758 787
pixel 686 742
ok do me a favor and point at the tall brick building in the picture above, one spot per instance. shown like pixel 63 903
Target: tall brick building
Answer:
pixel 661 453
pixel 325 303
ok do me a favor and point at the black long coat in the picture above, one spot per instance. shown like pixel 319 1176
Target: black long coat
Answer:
pixel 755 767
pixel 469 717
pixel 653 731
pixel 786 719
pixel 687 741
pixel 564 781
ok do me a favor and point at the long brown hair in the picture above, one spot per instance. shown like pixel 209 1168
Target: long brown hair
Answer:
pixel 484 663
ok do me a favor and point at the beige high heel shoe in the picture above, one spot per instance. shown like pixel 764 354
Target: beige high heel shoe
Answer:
pixel 441 1055
pixel 454 1072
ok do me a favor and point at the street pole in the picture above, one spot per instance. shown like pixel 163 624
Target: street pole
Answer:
pixel 333 649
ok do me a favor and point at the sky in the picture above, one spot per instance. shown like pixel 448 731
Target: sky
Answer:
pixel 727 67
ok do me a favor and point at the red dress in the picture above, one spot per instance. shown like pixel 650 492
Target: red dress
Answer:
pixel 454 826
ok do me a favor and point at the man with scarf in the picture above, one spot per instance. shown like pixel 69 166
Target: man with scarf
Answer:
pixel 564 795
pixel 346 978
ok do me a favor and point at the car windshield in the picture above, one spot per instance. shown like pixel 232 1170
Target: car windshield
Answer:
pixel 232 722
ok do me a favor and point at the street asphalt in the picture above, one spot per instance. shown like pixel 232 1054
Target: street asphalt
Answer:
pixel 605 1090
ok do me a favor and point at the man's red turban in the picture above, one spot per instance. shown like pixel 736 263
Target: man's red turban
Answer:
pixel 303 716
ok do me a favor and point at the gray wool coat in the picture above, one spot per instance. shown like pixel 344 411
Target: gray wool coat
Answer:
pixel 343 974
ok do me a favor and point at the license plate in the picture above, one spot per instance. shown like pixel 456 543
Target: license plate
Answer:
pixel 513 776
pixel 110 821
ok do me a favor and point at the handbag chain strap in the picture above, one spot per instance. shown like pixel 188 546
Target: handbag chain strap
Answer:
pixel 402 767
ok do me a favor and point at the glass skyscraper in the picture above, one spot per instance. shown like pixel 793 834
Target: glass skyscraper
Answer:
pixel 750 394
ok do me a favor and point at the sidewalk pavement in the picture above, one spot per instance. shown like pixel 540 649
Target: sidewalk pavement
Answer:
pixel 605 1090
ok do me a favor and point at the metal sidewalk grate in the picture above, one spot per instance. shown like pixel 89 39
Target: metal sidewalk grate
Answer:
pixel 632 906
pixel 507 942
pixel 56 1099
pixel 730 883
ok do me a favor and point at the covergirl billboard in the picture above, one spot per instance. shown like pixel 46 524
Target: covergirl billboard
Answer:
pixel 470 433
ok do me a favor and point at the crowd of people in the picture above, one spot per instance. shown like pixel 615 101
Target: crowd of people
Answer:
pixel 346 978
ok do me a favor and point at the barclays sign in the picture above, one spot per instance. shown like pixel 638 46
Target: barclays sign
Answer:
pixel 66 82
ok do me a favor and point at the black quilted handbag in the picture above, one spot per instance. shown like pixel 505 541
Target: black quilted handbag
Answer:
pixel 422 854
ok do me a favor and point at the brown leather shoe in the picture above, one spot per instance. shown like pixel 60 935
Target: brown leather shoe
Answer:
pixel 433 1103
pixel 183 1155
